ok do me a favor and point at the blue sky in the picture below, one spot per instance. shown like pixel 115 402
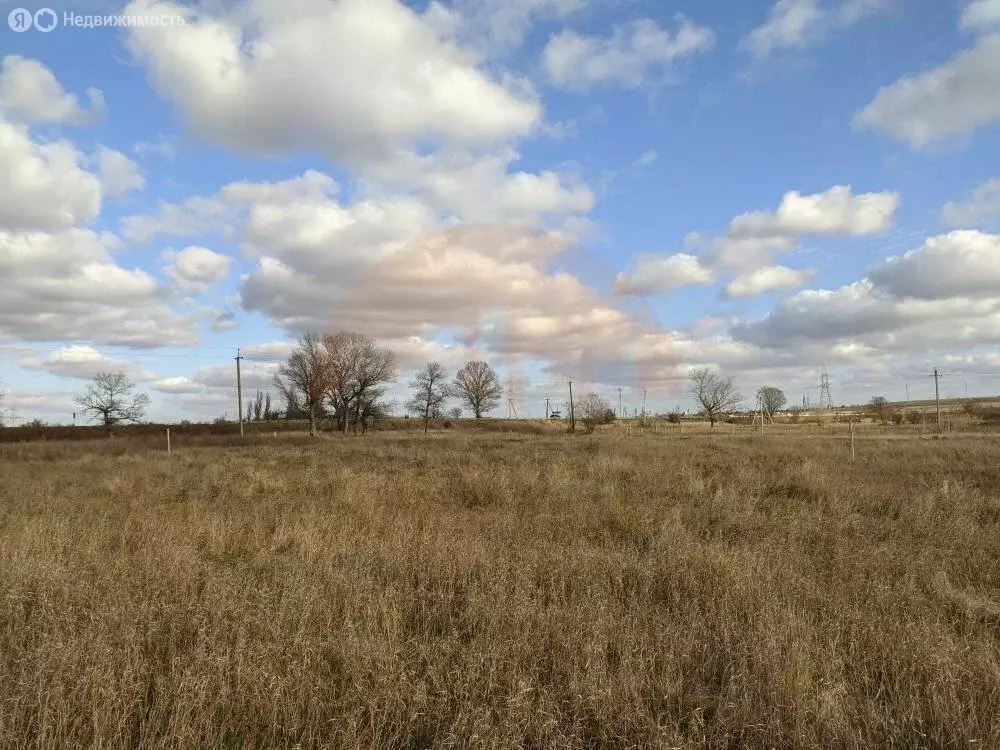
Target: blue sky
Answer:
pixel 614 192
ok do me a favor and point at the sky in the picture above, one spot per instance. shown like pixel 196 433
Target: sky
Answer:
pixel 609 191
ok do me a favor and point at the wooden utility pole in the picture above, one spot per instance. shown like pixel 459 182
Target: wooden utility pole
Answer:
pixel 546 408
pixel 643 407
pixel 937 397
pixel 572 414
pixel 239 390
pixel 621 414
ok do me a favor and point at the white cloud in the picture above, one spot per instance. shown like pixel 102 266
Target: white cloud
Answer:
pixel 195 269
pixel 982 204
pixel 944 295
pixel 119 174
pixel 754 239
pixel 790 23
pixel 44 186
pixel 83 362
pixel 67 287
pixel 798 23
pixel 768 279
pixel 30 93
pixel 836 211
pixel 858 312
pixel 963 263
pixel 981 14
pixel 628 57
pixel 656 274
pixel 498 26
pixel 951 99
pixel 267 76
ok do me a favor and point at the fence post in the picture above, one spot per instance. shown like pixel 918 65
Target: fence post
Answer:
pixel 168 441
pixel 852 440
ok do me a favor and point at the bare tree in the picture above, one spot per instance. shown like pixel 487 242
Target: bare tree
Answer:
pixel 479 387
pixel 359 371
pixel 430 390
pixel 258 406
pixel 111 399
pixel 455 412
pixel 716 394
pixel 301 379
pixel 268 413
pixel 773 398
pixel 594 410
pixel 880 409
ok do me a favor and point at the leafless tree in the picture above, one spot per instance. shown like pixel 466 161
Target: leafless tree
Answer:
pixel 716 394
pixel 479 387
pixel 455 412
pixel 111 398
pixel 301 379
pixel 269 414
pixel 880 409
pixel 258 407
pixel 430 390
pixel 774 399
pixel 593 410
pixel 358 373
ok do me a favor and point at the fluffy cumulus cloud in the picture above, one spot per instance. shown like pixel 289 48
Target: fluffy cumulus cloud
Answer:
pixel 45 186
pixel 83 362
pixel 961 264
pixel 981 206
pixel 981 14
pixel 263 77
pixel 945 293
pixel 754 239
pixel 67 287
pixel 657 274
pixel 836 211
pixel 951 99
pixel 30 93
pixel 628 57
pixel 118 174
pixel 798 23
pixel 767 279
pixel 195 269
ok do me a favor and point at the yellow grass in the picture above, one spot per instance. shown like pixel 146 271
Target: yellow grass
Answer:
pixel 467 590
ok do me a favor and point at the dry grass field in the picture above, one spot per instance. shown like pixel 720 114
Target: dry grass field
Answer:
pixel 501 590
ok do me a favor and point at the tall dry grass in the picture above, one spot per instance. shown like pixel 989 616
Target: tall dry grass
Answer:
pixel 501 591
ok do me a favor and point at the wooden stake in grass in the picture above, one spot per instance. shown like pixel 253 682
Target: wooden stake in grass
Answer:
pixel 852 440
pixel 168 441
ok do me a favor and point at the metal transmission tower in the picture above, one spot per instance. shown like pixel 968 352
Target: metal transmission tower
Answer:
pixel 825 399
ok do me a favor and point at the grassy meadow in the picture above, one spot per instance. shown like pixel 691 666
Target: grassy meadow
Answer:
pixel 473 590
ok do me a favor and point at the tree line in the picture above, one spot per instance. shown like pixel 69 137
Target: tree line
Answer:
pixel 344 378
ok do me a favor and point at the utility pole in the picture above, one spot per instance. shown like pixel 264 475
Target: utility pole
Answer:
pixel 546 408
pixel 907 391
pixel 621 414
pixel 643 407
pixel 937 397
pixel 572 414
pixel 239 390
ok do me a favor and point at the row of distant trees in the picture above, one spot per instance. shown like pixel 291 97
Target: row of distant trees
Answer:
pixel 716 394
pixel 344 377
